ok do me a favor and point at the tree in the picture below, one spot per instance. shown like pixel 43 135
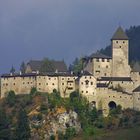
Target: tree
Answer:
pixel 5 133
pixel 70 133
pixel 22 128
pixel 47 66
pixel 11 98
pixel 23 67
pixel 76 66
pixel 12 70
pixel 33 91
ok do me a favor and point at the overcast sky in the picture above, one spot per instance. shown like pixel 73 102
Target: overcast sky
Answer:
pixel 60 29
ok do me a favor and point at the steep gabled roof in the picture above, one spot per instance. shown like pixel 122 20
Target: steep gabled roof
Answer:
pixel 36 65
pixel 119 35
pixel 99 55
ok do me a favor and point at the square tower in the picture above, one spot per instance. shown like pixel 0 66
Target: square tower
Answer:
pixel 120 44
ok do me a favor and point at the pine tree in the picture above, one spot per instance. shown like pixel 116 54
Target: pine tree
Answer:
pixel 12 70
pixel 23 67
pixel 22 129
pixel 4 126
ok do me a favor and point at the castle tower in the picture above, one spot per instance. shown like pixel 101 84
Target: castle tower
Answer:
pixel 120 43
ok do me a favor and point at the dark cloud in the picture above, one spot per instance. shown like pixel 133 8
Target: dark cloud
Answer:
pixel 59 29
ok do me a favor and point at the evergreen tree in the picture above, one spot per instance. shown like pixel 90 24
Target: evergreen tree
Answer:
pixel 4 126
pixel 11 98
pixel 76 66
pixel 47 65
pixel 22 129
pixel 22 67
pixel 12 70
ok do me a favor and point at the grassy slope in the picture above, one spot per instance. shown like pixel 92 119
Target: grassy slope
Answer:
pixel 121 134
pixel 125 134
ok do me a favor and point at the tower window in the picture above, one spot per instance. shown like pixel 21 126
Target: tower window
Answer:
pixel 116 41
pixel 120 46
pixel 123 42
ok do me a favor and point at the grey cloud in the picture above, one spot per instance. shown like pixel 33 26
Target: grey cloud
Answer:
pixel 59 29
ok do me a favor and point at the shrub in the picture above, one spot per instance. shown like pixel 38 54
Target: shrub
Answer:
pixel 33 91
pixel 11 98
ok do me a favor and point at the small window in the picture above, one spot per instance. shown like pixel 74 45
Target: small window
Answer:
pixel 85 77
pixel 62 83
pixel 53 84
pixel 107 60
pixel 91 83
pixel 97 71
pixel 103 60
pixel 82 91
pixel 49 78
pixel 97 60
pixel 39 83
pixel 81 83
pixel 86 91
pixel 99 66
pixel 107 66
pixel 120 96
pixel 14 84
pixel 62 78
pixel 120 46
pixel 86 82
pixel 105 74
pixel 116 41
pixel 123 42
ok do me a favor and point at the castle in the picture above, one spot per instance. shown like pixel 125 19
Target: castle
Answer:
pixel 105 81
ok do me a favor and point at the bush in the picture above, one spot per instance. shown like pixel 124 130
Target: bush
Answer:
pixel 11 98
pixel 33 91
pixel 44 108
pixel 70 133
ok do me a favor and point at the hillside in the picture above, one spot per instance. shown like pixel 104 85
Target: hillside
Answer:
pixel 134 45
pixel 43 116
